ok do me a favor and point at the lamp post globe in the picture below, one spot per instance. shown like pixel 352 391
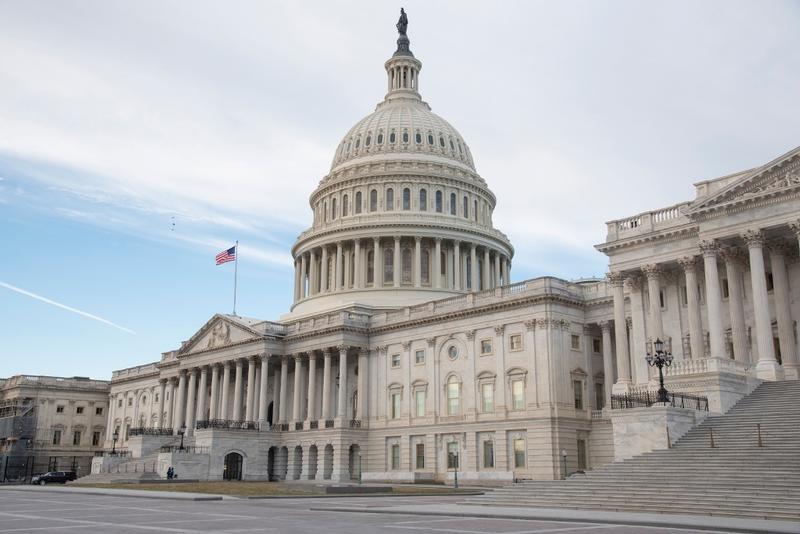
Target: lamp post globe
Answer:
pixel 114 438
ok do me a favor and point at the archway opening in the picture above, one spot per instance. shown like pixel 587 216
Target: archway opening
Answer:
pixel 232 470
pixel 354 462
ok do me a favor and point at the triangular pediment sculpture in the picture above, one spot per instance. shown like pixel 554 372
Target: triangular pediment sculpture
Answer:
pixel 777 177
pixel 220 331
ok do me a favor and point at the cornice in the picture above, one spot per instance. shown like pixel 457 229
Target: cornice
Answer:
pixel 666 235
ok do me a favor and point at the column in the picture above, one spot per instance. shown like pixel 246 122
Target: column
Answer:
pixel 323 283
pixel 191 391
pixel 303 292
pixel 251 389
pixel 767 367
pixel 608 362
pixel 326 385
pixel 237 391
pixel 623 359
pixel 496 282
pixel 505 268
pixel 783 314
pixel 297 410
pixel 363 384
pixel 162 387
pixel 214 391
pixel 296 280
pixel 653 274
pixel 588 350
pixel 357 264
pixel 696 344
pixel 256 389
pixel 396 264
pixel 377 263
pixel 180 409
pixel 276 394
pixel 312 387
pixel 171 395
pixel 418 261
pixel 262 394
pixel 456 265
pixel 224 413
pixel 437 263
pixel 337 284
pixel 342 408
pixel 716 332
pixel 473 259
pixel 313 282
pixel 347 266
pixel 487 268
pixel 284 383
pixel 202 394
pixel 733 269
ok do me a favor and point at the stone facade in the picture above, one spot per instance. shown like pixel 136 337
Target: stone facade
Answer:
pixel 408 350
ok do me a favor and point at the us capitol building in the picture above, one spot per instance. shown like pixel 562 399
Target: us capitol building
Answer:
pixel 408 348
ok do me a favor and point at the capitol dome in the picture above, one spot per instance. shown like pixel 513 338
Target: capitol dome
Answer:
pixel 402 217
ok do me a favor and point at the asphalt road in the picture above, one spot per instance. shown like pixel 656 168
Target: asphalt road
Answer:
pixel 41 512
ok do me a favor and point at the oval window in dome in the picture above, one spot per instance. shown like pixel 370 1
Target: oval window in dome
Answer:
pixel 380 138
pixel 369 140
pixel 430 139
pixel 392 137
pixel 405 137
pixel 452 147
pixel 459 148
pixel 441 141
pixel 358 142
pixel 418 138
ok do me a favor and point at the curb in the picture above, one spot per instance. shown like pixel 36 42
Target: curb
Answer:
pixel 117 493
pixel 347 495
pixel 742 525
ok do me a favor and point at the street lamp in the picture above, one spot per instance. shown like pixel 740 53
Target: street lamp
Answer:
pixel 182 431
pixel 564 457
pixel 114 439
pixel 661 358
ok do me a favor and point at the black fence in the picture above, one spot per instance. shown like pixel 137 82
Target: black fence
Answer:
pixel 18 469
pixel 144 431
pixel 113 452
pixel 227 424
pixel 645 399
pixel 188 449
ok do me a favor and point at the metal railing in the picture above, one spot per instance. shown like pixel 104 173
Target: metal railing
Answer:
pixel 186 449
pixel 282 427
pixel 329 423
pixel 113 453
pixel 314 425
pixel 355 423
pixel 147 431
pixel 645 399
pixel 227 424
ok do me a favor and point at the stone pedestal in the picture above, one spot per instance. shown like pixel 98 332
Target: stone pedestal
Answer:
pixel 641 430
pixel 769 370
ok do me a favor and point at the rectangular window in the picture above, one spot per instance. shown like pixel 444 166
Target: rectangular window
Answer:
pixel 79 410
pixel 395 405
pixel 575 342
pixel 127 431
pixel 98 410
pixel 395 361
pixel 95 439
pixel 518 394
pixel 577 387
pixel 119 403
pixel 419 399
pixel 487 398
pixel 486 346
pixel 515 342
pixel 597 346
pixel 420 448
pixel 156 398
pixel 725 291
pixel 488 453
pixel 76 438
pixel 130 401
pixel 582 455
pixel 519 453
pixel 395 457
pixel 56 437
pixel 419 357
pixel 453 398
pixel 59 409
pixel 452 455
pixel 599 395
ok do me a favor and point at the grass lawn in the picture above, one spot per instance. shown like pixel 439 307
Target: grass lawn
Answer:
pixel 259 489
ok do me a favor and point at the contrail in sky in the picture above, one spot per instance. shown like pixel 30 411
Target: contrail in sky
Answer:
pixel 64 306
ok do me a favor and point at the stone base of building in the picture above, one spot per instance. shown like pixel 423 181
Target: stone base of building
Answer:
pixel 641 430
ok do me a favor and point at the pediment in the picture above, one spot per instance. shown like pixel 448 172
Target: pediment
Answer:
pixel 777 177
pixel 219 332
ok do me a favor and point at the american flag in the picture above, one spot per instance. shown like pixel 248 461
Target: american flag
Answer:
pixel 226 255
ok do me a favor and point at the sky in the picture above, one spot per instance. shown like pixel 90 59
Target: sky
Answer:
pixel 138 139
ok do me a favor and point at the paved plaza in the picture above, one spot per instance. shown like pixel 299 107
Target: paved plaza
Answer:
pixel 57 511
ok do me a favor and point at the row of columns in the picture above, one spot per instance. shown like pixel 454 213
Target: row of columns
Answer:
pixel 710 250
pixel 351 268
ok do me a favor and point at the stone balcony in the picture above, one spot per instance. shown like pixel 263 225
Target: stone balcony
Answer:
pixel 647 222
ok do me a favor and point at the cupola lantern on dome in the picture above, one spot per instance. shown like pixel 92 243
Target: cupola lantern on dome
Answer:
pixel 402 217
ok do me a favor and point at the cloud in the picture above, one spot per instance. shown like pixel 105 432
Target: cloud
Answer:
pixel 64 307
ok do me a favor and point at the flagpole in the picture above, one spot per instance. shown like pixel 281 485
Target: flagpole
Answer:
pixel 235 274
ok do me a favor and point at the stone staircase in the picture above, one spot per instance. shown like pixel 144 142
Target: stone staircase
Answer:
pixel 131 470
pixel 736 477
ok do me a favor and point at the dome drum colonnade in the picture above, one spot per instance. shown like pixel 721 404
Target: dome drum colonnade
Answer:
pixel 402 208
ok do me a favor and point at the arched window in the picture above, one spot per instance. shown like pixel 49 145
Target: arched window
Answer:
pixel 373 200
pixel 475 210
pixel 333 209
pixel 344 206
pixel 371 267
pixel 452 203
pixel 369 140
pixel 465 206
pixel 438 202
pixel 423 200
pixel 325 211
pixel 425 267
pixel 390 199
pixel 453 396
pixel 406 199
pixel 388 266
pixel 407 264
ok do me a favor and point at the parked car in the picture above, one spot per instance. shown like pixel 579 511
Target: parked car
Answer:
pixel 51 477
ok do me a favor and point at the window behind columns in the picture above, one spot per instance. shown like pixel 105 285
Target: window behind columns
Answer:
pixel 406 199
pixel 371 267
pixel 407 265
pixel 423 200
pixel 438 202
pixel 452 203
pixel 373 200
pixel 425 267
pixel 388 265
pixel 345 206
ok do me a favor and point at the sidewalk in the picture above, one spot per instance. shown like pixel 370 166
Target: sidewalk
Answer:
pixel 147 494
pixel 697 522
